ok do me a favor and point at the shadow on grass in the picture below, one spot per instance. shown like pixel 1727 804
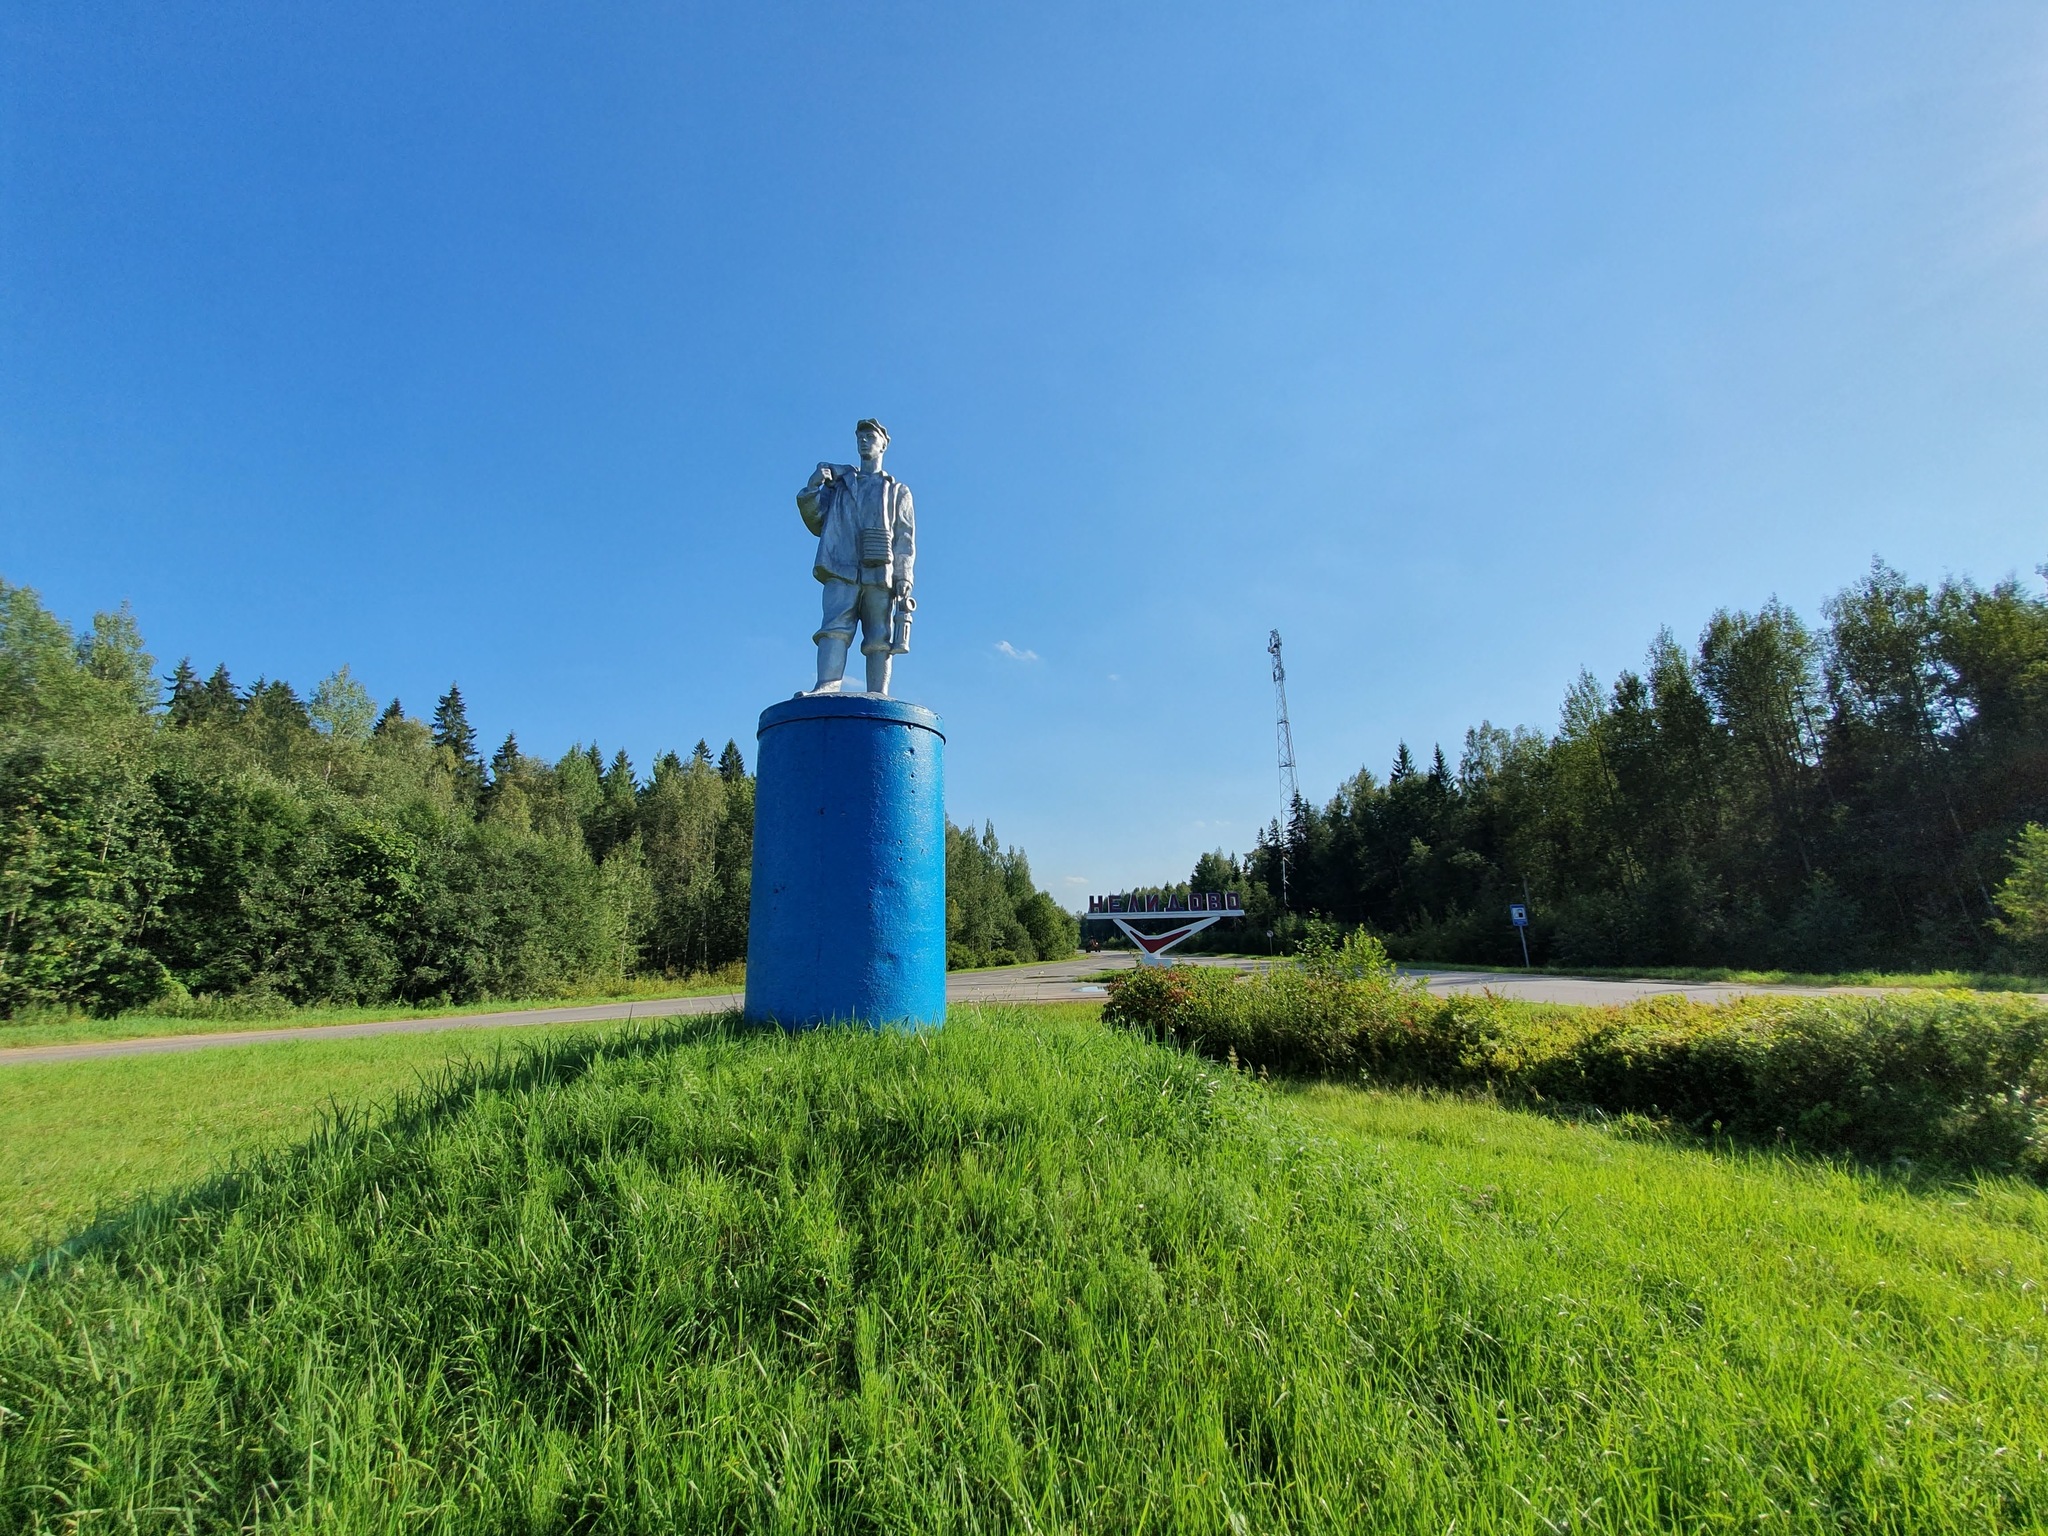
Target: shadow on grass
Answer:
pixel 435 1098
pixel 1917 1175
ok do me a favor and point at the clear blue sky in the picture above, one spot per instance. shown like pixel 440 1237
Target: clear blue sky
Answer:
pixel 1466 344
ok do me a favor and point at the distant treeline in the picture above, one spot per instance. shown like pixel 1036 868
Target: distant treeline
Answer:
pixel 162 841
pixel 1857 795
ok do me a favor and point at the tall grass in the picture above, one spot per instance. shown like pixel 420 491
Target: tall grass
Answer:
pixel 81 1141
pixel 1026 1274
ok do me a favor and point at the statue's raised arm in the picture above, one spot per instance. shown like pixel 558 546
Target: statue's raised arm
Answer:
pixel 867 548
pixel 812 499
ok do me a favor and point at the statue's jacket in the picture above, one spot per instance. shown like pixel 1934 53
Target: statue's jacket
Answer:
pixel 839 510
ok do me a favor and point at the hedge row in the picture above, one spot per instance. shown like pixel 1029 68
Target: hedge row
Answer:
pixel 1943 1077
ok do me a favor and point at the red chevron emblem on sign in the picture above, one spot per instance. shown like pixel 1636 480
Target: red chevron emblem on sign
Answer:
pixel 1159 943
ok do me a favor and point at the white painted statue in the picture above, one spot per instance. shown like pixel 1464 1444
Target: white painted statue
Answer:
pixel 867 541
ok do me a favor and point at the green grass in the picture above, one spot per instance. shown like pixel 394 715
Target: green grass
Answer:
pixel 1025 1274
pixel 1008 965
pixel 1945 981
pixel 69 1029
pixel 72 1029
pixel 81 1139
pixel 1107 973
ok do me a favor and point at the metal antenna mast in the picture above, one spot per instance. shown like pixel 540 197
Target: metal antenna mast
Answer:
pixel 1285 731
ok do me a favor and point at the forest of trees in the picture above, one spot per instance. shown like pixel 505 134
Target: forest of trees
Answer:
pixel 169 839
pixel 994 914
pixel 1848 796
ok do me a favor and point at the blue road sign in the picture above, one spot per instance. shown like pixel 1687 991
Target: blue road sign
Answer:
pixel 1518 914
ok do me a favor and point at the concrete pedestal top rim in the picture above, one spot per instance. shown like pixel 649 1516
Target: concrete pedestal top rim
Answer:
pixel 849 706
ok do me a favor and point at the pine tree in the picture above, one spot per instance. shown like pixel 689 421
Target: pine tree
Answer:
pixel 505 761
pixel 276 703
pixel 614 820
pixel 219 701
pixel 184 703
pixel 701 753
pixel 1404 764
pixel 451 726
pixel 504 800
pixel 2023 897
pixel 454 736
pixel 731 766
pixel 391 719
pixel 275 721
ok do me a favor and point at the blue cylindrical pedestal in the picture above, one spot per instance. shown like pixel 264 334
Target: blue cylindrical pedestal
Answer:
pixel 847 920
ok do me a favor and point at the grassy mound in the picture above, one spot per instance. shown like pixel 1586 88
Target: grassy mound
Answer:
pixel 1027 1274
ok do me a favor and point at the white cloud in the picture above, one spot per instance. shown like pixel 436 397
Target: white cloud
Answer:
pixel 1004 648
pixel 1075 879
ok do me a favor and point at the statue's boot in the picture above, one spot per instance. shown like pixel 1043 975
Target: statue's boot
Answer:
pixel 831 664
pixel 878 674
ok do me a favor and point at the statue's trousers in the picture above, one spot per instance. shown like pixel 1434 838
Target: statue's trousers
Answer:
pixel 847 916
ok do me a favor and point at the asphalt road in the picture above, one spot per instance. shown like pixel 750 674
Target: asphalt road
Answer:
pixel 1062 981
pixel 1065 981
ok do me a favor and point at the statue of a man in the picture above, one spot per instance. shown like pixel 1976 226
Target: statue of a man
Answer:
pixel 867 541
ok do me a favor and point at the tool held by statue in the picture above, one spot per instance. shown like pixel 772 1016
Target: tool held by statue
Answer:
pixel 899 624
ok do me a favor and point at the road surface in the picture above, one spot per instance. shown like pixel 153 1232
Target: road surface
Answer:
pixel 1061 981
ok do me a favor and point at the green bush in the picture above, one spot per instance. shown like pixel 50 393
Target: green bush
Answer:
pixel 1941 1076
pixel 1951 1078
pixel 177 1003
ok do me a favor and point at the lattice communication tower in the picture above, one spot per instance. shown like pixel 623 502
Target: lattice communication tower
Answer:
pixel 1289 787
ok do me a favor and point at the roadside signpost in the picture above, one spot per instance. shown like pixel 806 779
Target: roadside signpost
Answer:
pixel 1518 914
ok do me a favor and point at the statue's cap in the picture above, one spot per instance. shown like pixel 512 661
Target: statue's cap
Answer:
pixel 868 423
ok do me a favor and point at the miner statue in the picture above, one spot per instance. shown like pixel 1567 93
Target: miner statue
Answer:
pixel 867 540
